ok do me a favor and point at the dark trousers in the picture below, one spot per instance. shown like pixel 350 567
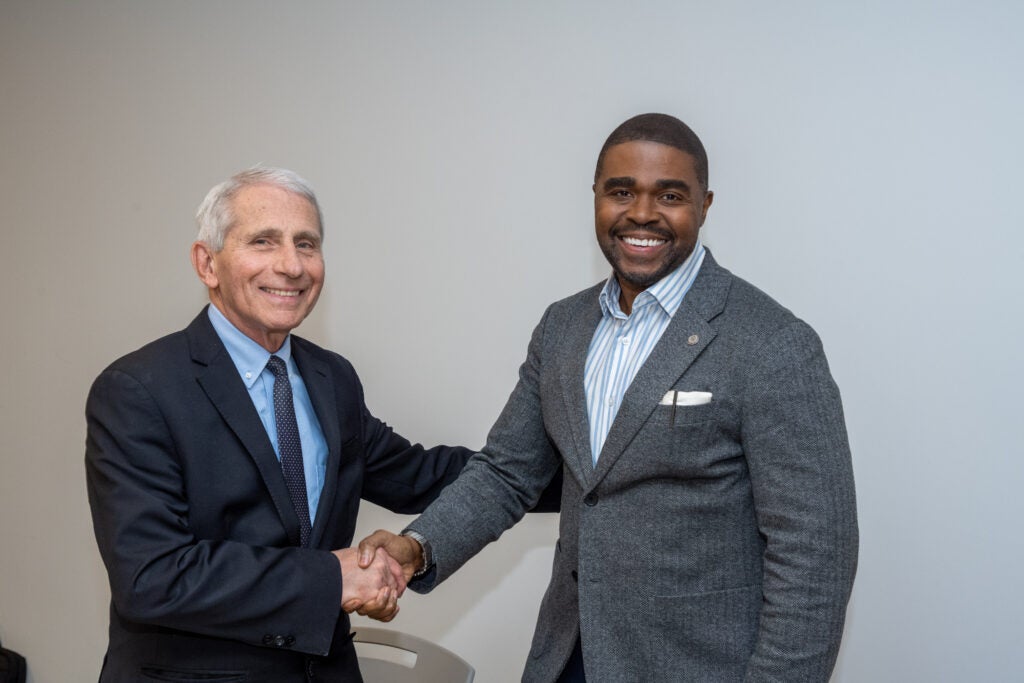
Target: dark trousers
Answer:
pixel 573 671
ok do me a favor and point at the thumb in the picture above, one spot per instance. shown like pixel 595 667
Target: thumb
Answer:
pixel 368 546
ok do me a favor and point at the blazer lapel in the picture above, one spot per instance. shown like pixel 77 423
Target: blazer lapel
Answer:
pixel 218 377
pixel 686 336
pixel 321 388
pixel 572 362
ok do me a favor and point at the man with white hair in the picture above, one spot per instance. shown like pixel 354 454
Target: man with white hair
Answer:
pixel 225 464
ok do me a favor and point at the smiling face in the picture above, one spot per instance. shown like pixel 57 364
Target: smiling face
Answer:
pixel 268 275
pixel 648 210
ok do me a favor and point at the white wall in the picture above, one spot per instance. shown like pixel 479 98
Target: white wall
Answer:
pixel 866 162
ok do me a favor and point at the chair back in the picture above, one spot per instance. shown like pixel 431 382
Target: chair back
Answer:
pixel 387 656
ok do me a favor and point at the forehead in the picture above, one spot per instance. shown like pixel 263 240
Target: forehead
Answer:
pixel 646 159
pixel 268 206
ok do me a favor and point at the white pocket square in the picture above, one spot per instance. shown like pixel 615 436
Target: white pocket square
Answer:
pixel 686 398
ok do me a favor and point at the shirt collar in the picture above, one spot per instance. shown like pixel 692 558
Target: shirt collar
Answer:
pixel 249 357
pixel 668 292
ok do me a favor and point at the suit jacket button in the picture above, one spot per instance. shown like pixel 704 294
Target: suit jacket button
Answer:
pixel 279 641
pixel 590 499
pixel 268 639
pixel 289 641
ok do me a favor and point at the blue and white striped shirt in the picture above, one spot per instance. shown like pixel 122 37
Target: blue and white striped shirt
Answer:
pixel 622 343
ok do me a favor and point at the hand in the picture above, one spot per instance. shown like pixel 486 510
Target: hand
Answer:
pixel 406 551
pixel 372 590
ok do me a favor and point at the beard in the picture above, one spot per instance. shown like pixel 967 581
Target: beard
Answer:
pixel 676 252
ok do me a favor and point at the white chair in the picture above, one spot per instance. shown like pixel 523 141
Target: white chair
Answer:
pixel 393 657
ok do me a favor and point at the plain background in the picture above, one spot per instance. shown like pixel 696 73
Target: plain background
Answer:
pixel 866 161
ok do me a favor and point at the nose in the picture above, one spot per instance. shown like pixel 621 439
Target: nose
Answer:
pixel 642 210
pixel 288 261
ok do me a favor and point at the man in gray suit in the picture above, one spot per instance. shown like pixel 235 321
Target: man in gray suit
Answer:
pixel 708 528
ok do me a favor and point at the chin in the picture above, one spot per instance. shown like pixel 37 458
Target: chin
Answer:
pixel 641 279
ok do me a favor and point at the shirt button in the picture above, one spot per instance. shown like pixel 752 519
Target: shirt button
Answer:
pixel 248 375
pixel 609 402
pixel 624 340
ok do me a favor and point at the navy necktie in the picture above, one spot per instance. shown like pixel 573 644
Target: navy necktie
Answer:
pixel 288 444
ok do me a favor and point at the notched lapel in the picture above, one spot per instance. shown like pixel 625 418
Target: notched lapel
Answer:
pixel 685 338
pixel 670 358
pixel 321 389
pixel 571 360
pixel 217 376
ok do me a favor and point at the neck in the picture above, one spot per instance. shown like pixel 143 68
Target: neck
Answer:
pixel 627 294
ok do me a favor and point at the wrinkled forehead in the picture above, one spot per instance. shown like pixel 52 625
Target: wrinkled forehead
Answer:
pixel 275 205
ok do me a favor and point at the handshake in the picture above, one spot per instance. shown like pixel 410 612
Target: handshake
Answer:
pixel 374 575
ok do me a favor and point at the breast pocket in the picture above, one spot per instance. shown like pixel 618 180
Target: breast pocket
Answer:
pixel 696 438
pixel 681 416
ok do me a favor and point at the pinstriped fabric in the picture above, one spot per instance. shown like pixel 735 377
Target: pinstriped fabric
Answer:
pixel 622 343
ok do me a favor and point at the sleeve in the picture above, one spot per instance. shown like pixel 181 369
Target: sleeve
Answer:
pixel 159 572
pixel 499 484
pixel 405 477
pixel 795 443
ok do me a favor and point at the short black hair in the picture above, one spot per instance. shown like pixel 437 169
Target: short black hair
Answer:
pixel 665 130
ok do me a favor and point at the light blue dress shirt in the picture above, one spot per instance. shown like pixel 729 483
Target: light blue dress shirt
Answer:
pixel 622 343
pixel 251 362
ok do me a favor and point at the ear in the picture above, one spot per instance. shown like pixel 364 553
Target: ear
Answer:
pixel 709 197
pixel 205 264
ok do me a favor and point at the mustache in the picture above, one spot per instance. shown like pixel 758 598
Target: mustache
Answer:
pixel 628 228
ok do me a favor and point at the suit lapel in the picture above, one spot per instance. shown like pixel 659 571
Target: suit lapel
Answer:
pixel 572 362
pixel 686 336
pixel 321 389
pixel 216 374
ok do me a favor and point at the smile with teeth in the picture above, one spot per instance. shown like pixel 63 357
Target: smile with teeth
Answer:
pixel 282 292
pixel 643 242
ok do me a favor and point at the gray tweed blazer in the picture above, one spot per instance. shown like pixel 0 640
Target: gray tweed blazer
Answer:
pixel 715 542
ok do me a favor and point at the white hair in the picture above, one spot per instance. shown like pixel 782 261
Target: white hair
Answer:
pixel 214 215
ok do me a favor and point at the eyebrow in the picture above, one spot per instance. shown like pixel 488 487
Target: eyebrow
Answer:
pixel 277 233
pixel 621 181
pixel 630 181
pixel 673 185
pixel 308 235
pixel 264 232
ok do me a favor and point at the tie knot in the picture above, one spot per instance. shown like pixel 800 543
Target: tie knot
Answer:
pixel 277 367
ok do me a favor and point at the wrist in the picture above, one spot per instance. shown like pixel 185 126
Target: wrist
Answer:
pixel 426 556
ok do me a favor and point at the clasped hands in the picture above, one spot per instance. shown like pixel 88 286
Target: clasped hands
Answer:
pixel 375 575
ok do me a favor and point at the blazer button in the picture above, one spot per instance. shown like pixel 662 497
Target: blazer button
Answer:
pixel 289 641
pixel 279 641
pixel 268 639
pixel 590 499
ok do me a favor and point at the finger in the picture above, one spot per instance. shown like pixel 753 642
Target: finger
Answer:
pixel 368 546
pixel 398 573
pixel 384 612
pixel 377 605
pixel 351 606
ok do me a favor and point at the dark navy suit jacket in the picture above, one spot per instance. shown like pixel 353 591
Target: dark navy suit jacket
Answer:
pixel 194 522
